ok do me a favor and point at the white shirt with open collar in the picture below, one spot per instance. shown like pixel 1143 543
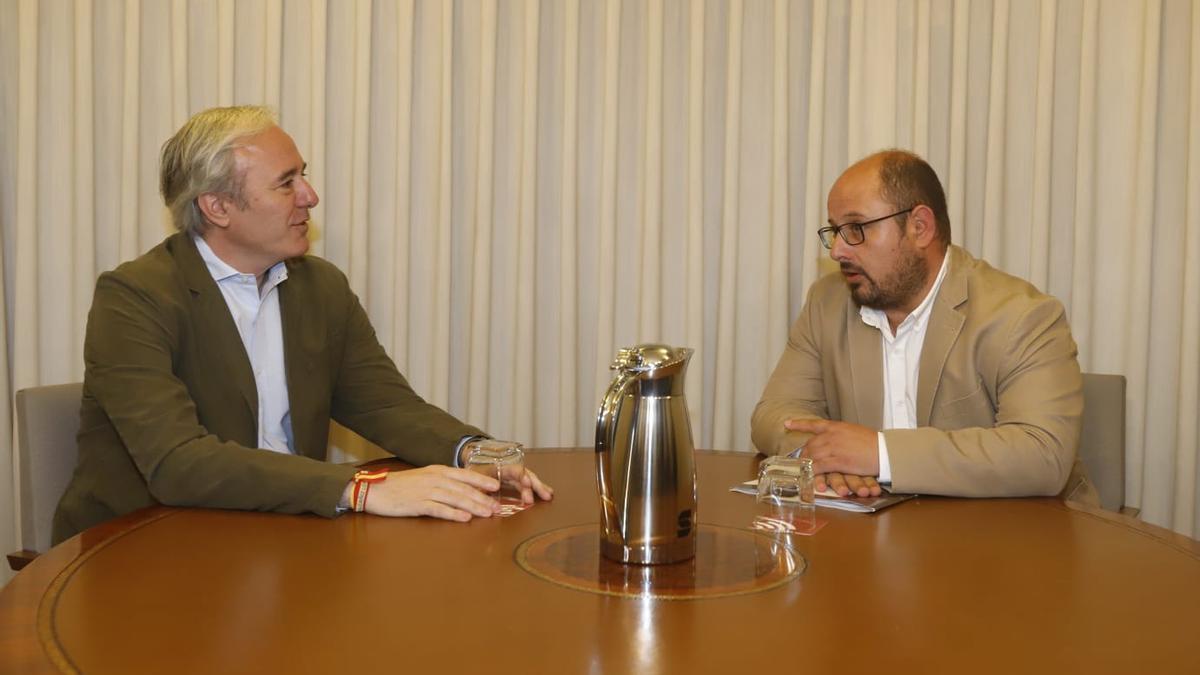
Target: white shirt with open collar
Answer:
pixel 901 365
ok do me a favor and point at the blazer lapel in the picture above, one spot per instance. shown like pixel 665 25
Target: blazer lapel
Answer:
pixel 945 324
pixel 866 368
pixel 298 364
pixel 215 328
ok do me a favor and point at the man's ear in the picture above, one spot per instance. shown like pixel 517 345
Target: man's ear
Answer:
pixel 215 208
pixel 923 225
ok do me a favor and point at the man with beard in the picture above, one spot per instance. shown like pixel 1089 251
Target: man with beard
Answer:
pixel 922 367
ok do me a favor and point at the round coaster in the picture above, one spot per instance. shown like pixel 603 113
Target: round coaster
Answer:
pixel 728 562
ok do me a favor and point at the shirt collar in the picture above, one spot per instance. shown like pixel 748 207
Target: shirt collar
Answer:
pixel 878 318
pixel 221 270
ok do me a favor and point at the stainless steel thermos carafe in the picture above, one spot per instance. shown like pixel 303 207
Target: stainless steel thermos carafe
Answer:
pixel 645 463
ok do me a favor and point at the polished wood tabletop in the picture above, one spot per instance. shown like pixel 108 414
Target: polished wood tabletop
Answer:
pixel 929 585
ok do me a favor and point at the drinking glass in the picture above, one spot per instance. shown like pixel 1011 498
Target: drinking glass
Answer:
pixel 503 461
pixel 785 493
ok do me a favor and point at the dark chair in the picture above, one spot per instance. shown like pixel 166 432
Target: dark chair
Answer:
pixel 1102 445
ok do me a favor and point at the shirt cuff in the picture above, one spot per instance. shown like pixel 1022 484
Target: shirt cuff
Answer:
pixel 885 462
pixel 458 449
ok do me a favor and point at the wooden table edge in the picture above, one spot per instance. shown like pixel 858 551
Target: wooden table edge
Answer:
pixel 27 601
pixel 27 642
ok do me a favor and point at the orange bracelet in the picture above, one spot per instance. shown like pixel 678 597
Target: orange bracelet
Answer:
pixel 362 486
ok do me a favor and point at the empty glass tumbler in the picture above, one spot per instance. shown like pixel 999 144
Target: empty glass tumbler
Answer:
pixel 785 493
pixel 501 460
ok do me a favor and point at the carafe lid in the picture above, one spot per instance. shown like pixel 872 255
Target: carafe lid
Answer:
pixel 651 358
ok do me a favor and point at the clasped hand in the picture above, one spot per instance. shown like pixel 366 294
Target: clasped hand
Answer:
pixel 845 456
pixel 449 493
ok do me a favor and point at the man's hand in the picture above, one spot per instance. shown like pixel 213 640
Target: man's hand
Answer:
pixel 845 456
pixel 848 484
pixel 448 493
pixel 438 491
pixel 526 482
pixel 515 477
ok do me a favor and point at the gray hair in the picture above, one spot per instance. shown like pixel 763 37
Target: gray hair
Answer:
pixel 199 159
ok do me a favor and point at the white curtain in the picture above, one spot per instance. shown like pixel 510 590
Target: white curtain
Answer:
pixel 517 188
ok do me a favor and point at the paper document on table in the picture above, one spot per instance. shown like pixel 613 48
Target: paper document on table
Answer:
pixel 829 499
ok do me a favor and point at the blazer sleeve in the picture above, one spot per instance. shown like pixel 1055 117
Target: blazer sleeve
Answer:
pixel 1023 444
pixel 796 388
pixel 134 337
pixel 373 399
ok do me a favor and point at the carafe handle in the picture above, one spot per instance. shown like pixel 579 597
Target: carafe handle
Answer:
pixel 605 427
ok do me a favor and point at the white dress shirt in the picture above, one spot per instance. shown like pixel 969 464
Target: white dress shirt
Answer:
pixel 901 366
pixel 256 313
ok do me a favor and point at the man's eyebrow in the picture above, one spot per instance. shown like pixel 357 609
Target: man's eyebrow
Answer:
pixel 852 218
pixel 291 172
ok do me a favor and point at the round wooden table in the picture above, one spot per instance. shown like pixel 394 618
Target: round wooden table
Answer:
pixel 929 585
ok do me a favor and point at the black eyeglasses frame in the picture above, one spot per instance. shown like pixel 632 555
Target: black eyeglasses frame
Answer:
pixel 827 233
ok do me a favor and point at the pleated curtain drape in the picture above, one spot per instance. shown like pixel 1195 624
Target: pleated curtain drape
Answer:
pixel 516 189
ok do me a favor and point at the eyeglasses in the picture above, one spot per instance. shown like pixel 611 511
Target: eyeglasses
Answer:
pixel 852 233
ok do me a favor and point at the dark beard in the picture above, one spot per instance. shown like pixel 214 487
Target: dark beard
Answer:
pixel 896 290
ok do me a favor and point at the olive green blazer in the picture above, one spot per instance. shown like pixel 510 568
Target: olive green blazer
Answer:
pixel 999 392
pixel 170 407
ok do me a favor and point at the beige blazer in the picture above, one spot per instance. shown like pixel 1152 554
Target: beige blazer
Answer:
pixel 170 406
pixel 999 393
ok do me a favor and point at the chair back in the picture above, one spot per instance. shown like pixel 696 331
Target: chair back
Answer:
pixel 1102 445
pixel 47 421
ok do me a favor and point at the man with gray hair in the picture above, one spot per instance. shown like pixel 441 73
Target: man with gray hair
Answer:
pixel 918 365
pixel 215 361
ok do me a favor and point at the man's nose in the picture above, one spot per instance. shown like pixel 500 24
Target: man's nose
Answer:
pixel 306 196
pixel 839 249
